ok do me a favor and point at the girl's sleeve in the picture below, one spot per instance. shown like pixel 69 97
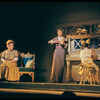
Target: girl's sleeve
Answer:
pixel 65 43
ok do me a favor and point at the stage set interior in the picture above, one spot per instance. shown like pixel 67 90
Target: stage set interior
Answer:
pixel 31 25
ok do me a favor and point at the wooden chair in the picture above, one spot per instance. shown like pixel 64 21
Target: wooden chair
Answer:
pixel 87 71
pixel 23 68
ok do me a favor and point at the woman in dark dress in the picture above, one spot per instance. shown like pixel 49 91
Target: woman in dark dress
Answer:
pixel 58 57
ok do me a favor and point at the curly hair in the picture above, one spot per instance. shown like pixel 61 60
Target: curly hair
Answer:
pixel 61 29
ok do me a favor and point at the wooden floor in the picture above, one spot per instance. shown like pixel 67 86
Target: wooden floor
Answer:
pixel 17 90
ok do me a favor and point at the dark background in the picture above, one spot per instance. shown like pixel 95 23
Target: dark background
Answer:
pixel 32 24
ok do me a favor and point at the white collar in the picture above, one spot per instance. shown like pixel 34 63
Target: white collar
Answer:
pixel 85 48
pixel 59 37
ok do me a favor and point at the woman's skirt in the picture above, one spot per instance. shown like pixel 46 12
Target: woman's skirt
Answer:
pixel 11 72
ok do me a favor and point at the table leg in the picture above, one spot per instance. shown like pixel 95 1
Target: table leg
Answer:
pixel 68 75
pixel 68 70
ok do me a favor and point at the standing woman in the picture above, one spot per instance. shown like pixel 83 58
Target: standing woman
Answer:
pixel 58 57
pixel 9 58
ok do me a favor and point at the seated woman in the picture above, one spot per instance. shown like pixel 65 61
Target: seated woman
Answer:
pixel 9 57
pixel 86 56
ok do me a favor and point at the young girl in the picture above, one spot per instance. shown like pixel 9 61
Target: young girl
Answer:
pixel 58 57
pixel 86 56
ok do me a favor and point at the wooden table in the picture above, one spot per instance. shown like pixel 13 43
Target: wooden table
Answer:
pixel 69 61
